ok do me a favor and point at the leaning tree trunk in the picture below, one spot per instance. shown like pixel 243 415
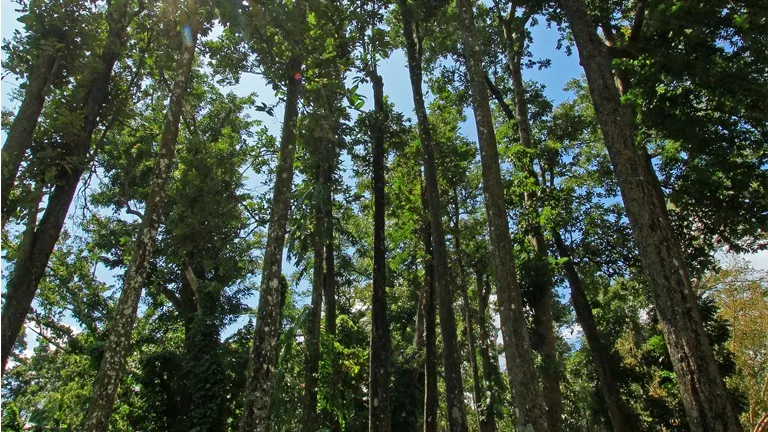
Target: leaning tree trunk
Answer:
pixel 489 369
pixel 29 268
pixel 701 388
pixel 454 391
pixel 263 360
pixel 430 325
pixel 468 328
pixel 543 319
pixel 378 400
pixel 23 127
pixel 121 323
pixel 597 349
pixel 312 334
pixel 531 413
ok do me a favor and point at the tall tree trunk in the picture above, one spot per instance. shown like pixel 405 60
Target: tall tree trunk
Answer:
pixel 430 325
pixel 489 368
pixel 312 333
pixel 597 349
pixel 121 323
pixel 468 328
pixel 531 413
pixel 263 360
pixel 329 276
pixel 701 387
pixel 454 391
pixel 19 138
pixel 378 400
pixel 29 268
pixel 543 319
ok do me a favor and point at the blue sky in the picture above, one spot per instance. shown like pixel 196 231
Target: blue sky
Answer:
pixel 396 87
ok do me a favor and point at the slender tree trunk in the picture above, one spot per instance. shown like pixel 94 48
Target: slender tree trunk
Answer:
pixel 430 326
pixel 531 413
pixel 19 138
pixel 263 360
pixel 312 334
pixel 586 320
pixel 378 409
pixel 701 387
pixel 543 320
pixel 468 328
pixel 454 391
pixel 29 268
pixel 329 276
pixel 489 369
pixel 121 324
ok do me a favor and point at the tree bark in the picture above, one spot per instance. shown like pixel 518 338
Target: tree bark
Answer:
pixel 454 392
pixel 263 360
pixel 597 349
pixel 29 268
pixel 489 369
pixel 531 412
pixel 543 320
pixel 702 389
pixel 19 139
pixel 312 333
pixel 121 323
pixel 378 408
pixel 329 276
pixel 430 325
pixel 468 328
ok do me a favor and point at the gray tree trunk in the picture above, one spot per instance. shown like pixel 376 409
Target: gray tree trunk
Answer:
pixel 29 267
pixel 530 409
pixel 454 391
pixel 430 325
pixel 469 330
pixel 263 362
pixel 312 333
pixel 597 349
pixel 514 33
pixel 489 368
pixel 702 389
pixel 19 138
pixel 121 323
pixel 378 400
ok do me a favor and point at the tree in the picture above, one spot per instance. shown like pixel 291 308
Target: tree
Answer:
pixel 522 374
pixel 29 269
pixel 706 402
pixel 454 393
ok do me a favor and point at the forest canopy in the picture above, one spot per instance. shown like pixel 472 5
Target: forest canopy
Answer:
pixel 385 215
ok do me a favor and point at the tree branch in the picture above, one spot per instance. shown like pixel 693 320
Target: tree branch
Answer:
pixel 193 284
pixel 499 97
pixel 637 24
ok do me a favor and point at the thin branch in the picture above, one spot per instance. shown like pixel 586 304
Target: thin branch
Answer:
pixel 173 298
pixel 499 97
pixel 46 338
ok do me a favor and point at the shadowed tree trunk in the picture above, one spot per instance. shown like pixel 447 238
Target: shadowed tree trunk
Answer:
pixel 530 410
pixel 430 325
pixel 312 334
pixel 586 320
pixel 454 392
pixel 121 323
pixel 378 400
pixel 19 138
pixel 468 328
pixel 29 268
pixel 489 368
pixel 263 360
pixel 329 276
pixel 702 389
pixel 543 320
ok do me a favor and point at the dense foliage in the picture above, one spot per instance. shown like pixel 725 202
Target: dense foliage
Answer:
pixel 218 216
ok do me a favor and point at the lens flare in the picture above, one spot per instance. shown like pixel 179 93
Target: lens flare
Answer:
pixel 186 33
